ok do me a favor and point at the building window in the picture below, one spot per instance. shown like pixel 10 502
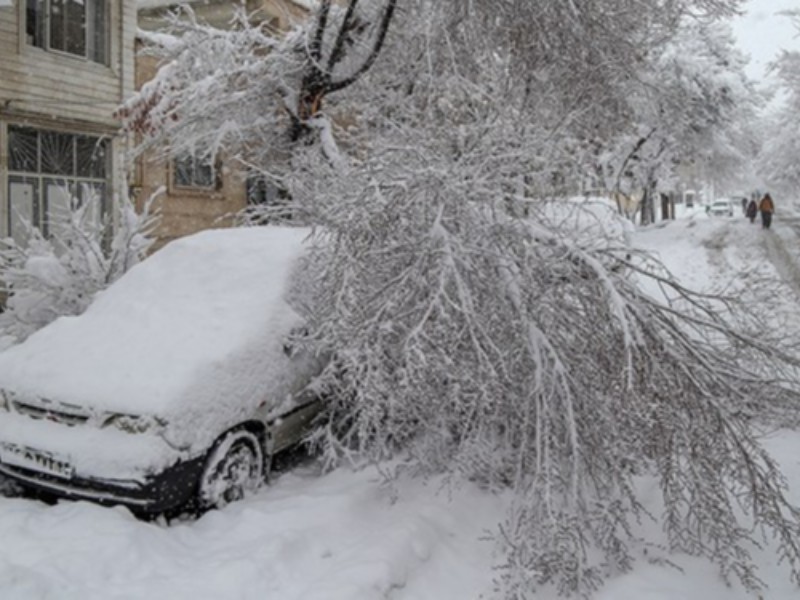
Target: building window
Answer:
pixel 193 171
pixel 266 201
pixel 49 172
pixel 78 27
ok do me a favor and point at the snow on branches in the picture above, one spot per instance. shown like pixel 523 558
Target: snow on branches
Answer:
pixel 211 85
pixel 482 329
pixel 517 352
pixel 780 154
pixel 249 89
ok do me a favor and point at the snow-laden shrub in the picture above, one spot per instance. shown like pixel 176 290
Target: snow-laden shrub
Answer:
pixel 47 277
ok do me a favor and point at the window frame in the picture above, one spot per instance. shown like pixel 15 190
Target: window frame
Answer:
pixel 92 52
pixel 194 187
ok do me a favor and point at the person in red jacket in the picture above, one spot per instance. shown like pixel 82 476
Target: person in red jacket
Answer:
pixel 766 207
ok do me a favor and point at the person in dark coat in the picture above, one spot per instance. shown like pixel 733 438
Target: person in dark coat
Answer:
pixel 752 210
pixel 767 208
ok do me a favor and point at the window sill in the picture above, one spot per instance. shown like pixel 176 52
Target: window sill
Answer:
pixel 65 57
pixel 195 192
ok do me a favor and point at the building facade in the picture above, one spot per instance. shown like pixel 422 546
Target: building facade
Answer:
pixel 65 66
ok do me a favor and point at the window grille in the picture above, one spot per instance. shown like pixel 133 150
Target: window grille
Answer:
pixel 48 172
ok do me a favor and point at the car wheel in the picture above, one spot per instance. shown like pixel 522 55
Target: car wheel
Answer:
pixel 235 466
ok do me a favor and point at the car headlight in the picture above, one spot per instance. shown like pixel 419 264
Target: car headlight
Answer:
pixel 132 423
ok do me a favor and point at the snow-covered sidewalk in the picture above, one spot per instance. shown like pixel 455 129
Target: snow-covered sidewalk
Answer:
pixel 342 536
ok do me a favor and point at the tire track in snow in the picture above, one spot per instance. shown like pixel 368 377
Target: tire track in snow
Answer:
pixel 715 245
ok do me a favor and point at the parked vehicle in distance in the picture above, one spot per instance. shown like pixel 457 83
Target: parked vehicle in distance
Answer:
pixel 722 207
pixel 175 387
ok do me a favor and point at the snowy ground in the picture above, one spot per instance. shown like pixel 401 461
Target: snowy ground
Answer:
pixel 345 535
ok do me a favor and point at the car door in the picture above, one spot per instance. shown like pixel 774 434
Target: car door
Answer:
pixel 291 426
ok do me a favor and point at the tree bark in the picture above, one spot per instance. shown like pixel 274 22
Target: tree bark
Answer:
pixel 319 80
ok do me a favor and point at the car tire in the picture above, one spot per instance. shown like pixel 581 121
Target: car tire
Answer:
pixel 234 466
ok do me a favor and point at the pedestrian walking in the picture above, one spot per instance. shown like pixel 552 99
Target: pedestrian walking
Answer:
pixel 752 211
pixel 744 206
pixel 767 208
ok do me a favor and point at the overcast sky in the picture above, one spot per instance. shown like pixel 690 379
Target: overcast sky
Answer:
pixel 762 33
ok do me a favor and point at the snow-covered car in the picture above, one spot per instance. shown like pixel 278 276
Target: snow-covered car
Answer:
pixel 721 208
pixel 177 385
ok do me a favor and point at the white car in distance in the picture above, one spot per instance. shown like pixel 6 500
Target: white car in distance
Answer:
pixel 721 207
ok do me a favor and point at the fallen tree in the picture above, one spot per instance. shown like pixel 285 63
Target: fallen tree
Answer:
pixel 479 329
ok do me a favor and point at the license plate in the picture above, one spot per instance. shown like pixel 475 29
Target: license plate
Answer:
pixel 35 460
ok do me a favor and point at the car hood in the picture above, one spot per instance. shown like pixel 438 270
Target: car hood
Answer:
pixel 196 330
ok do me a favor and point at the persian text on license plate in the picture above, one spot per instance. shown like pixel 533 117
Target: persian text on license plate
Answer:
pixel 35 460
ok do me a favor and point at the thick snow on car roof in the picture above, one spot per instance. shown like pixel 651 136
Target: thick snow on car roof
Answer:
pixel 203 316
